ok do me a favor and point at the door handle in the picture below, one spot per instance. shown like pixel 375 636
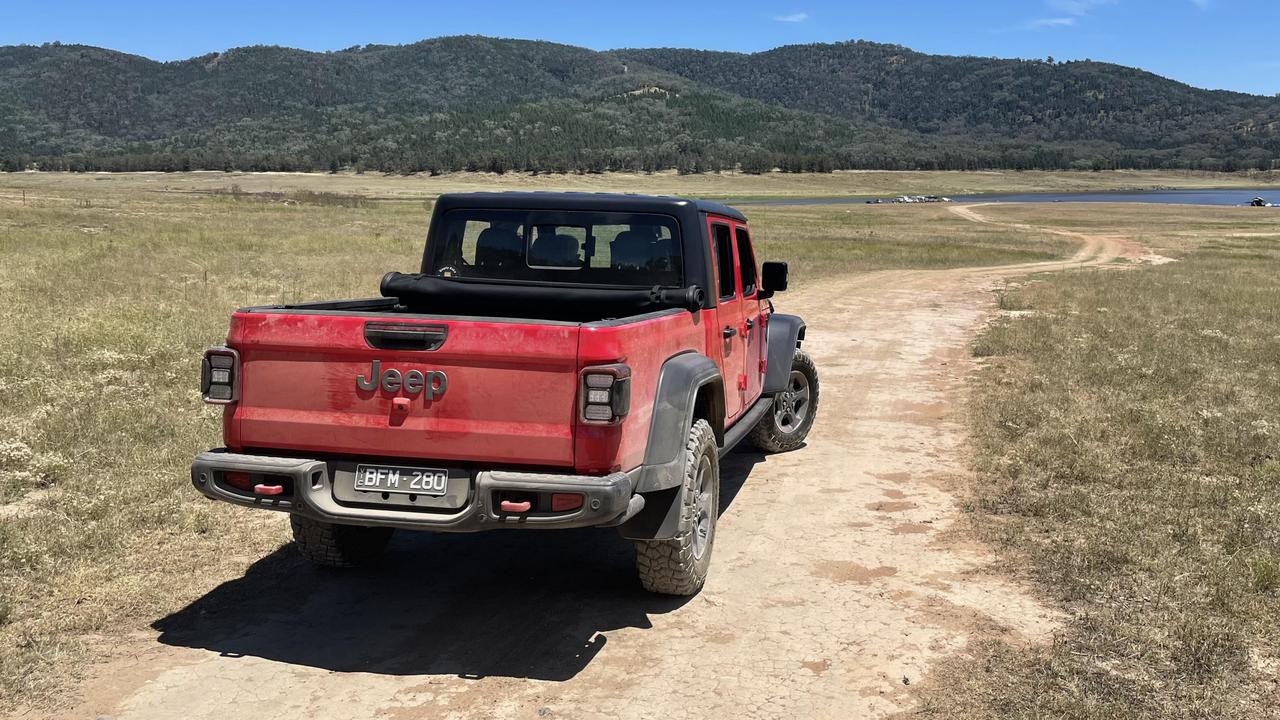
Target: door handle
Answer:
pixel 404 336
pixel 751 323
pixel 728 332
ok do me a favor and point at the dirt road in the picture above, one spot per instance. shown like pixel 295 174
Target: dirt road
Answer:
pixel 834 586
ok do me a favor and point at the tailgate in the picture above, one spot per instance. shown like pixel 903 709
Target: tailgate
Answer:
pixel 509 388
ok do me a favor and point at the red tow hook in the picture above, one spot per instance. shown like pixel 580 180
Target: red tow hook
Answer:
pixel 510 506
pixel 268 489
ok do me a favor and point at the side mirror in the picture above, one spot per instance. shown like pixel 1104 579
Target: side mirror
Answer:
pixel 773 279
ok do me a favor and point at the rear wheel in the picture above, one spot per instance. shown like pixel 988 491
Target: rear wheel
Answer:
pixel 678 565
pixel 341 546
pixel 791 417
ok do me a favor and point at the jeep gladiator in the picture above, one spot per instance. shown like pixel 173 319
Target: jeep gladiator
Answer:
pixel 561 360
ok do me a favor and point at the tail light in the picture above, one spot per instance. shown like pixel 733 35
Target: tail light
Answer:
pixel 605 394
pixel 220 376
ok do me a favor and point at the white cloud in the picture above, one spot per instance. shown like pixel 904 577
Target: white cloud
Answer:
pixel 1068 13
pixel 1079 8
pixel 793 17
pixel 1051 22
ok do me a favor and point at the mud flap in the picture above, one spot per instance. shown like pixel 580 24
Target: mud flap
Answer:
pixel 659 519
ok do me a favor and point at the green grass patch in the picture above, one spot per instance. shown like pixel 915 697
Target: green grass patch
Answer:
pixel 823 240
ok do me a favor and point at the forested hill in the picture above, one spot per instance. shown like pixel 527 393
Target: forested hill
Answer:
pixel 489 104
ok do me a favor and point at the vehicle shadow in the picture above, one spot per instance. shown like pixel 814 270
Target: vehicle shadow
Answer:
pixel 522 604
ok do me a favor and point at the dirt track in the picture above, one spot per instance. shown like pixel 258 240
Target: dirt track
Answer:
pixel 832 590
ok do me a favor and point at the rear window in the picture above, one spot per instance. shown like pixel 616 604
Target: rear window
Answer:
pixel 623 249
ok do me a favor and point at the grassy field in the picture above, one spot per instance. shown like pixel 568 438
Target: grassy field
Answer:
pixel 715 185
pixel 110 293
pixel 1127 436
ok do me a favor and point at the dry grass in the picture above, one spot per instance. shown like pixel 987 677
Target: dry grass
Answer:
pixel 717 185
pixel 1127 433
pixel 107 305
pixel 109 295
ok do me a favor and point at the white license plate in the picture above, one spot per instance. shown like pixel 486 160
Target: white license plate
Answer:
pixel 433 482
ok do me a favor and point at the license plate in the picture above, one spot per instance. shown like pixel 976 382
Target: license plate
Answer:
pixel 433 482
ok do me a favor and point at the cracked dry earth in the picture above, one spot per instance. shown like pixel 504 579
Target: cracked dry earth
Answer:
pixel 833 587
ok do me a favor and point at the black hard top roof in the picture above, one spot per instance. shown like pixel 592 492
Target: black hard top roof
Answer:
pixel 602 202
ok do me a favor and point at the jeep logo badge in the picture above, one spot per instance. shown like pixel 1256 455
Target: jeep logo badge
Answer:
pixel 431 383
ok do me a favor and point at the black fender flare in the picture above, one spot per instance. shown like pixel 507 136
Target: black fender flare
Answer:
pixel 689 385
pixel 785 333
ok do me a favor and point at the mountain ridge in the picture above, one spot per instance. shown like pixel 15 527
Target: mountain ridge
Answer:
pixel 474 102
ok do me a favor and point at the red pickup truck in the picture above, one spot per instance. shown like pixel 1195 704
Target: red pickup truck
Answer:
pixel 562 360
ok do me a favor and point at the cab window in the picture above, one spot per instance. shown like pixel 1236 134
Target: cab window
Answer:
pixel 724 260
pixel 746 262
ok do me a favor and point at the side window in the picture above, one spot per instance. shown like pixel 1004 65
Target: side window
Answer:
pixel 724 260
pixel 746 262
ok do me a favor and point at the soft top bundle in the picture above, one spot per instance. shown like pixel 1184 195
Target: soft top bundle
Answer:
pixel 451 296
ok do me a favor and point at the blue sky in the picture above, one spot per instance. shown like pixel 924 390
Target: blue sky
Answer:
pixel 1230 44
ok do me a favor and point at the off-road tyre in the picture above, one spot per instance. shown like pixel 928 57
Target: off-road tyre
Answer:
pixel 787 423
pixel 678 565
pixel 338 546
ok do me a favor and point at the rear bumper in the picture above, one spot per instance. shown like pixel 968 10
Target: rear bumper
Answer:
pixel 309 490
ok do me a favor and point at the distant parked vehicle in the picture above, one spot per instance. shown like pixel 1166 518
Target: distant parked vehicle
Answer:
pixel 910 199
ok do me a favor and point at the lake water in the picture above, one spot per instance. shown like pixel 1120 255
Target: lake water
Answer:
pixel 1160 197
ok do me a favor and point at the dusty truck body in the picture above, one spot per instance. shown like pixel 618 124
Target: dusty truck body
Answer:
pixel 561 360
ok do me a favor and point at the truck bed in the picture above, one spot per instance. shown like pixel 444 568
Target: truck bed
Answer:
pixel 512 383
